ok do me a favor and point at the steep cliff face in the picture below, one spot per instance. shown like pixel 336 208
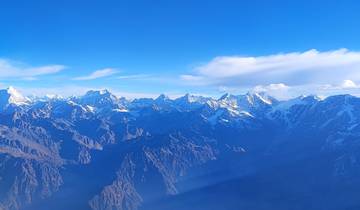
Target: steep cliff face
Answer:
pixel 26 180
pixel 30 166
pixel 151 171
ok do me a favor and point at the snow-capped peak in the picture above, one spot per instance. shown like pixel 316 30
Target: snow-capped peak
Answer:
pixel 12 96
pixel 96 93
pixel 262 97
pixel 98 97
pixel 188 98
pixel 45 98
pixel 16 97
pixel 104 91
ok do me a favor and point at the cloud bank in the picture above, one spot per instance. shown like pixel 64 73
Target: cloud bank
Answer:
pixel 297 68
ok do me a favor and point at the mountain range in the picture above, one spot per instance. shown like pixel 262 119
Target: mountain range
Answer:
pixel 251 151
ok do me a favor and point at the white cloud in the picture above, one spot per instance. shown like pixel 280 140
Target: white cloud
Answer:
pixel 297 68
pixel 271 87
pixel 349 84
pixel 344 85
pixel 191 77
pixel 10 69
pixel 134 76
pixel 282 91
pixel 279 90
pixel 97 74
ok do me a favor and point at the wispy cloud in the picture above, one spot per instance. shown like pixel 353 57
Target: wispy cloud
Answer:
pixel 98 74
pixel 10 69
pixel 297 68
pixel 134 76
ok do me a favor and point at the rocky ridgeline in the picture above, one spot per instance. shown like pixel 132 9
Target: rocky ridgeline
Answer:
pixel 99 151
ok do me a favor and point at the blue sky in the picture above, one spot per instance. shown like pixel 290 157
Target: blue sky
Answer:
pixel 144 48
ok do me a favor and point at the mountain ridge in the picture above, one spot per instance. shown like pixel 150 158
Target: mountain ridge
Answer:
pixel 127 155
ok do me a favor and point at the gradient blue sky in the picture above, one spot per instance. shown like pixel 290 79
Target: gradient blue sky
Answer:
pixel 143 48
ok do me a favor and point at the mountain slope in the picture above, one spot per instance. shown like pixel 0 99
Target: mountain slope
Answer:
pixel 99 152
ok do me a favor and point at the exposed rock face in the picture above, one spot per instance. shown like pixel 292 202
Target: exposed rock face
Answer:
pixel 104 153
pixel 26 180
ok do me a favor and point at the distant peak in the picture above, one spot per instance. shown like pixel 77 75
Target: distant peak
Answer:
pixel 104 91
pixel 162 97
pixel 98 98
pixel 98 92
pixel 262 96
pixel 11 89
pixel 54 96
pixel 225 96
pixel 310 97
pixel 12 96
pixel 189 98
